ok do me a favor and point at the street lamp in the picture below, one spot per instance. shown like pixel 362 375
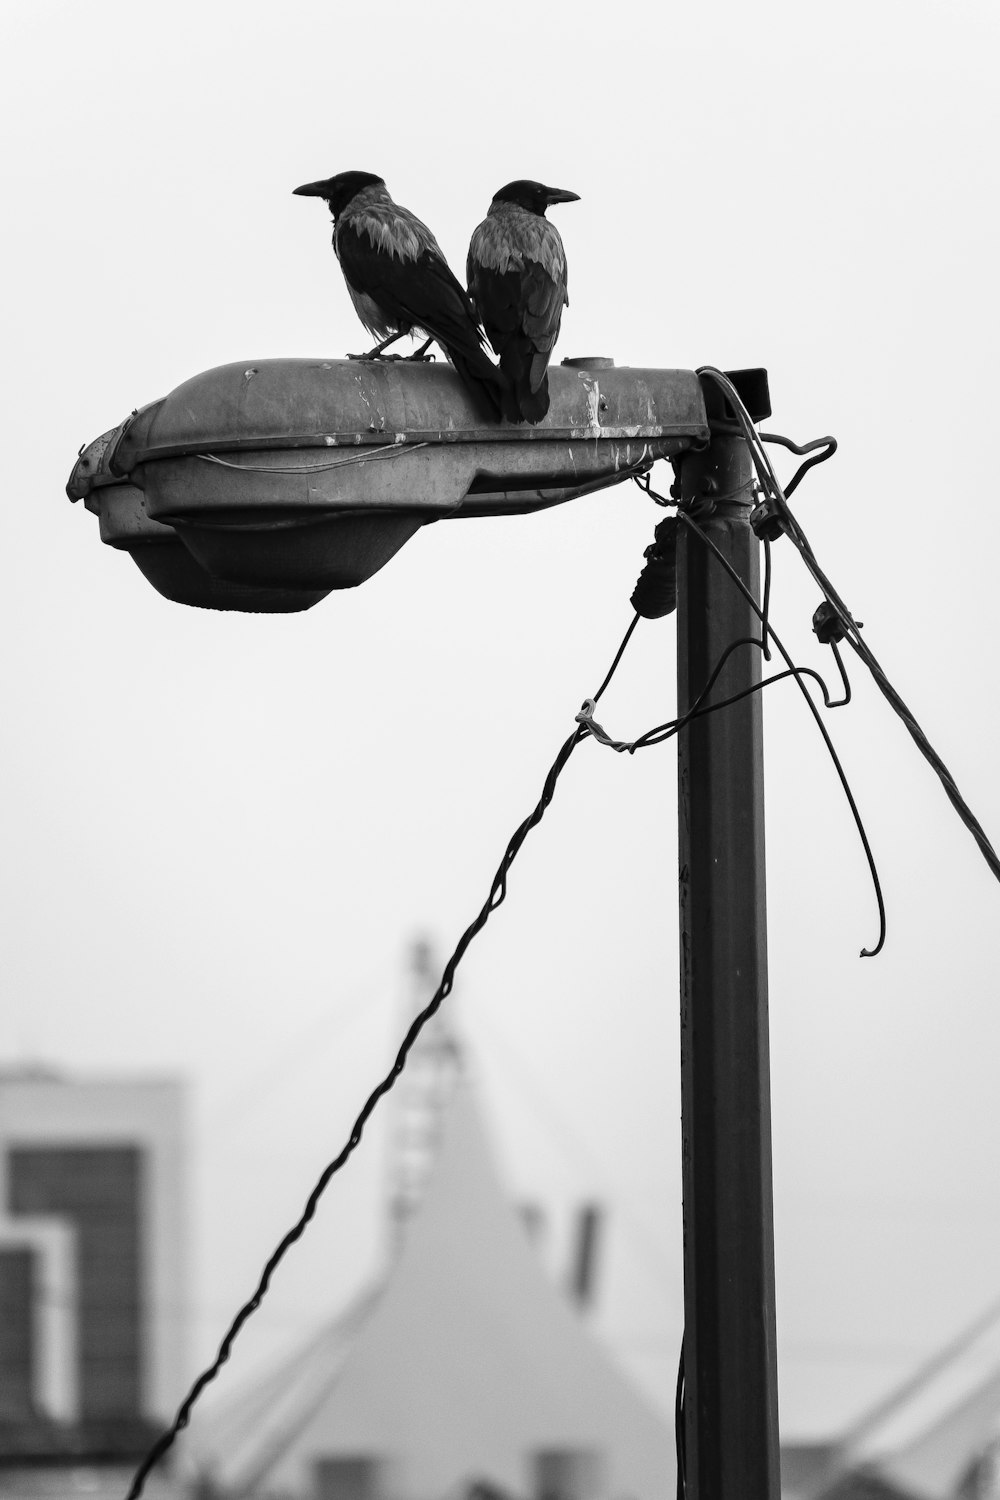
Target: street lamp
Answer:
pixel 264 486
pixel 309 475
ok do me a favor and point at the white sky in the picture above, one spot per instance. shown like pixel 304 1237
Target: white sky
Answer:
pixel 221 831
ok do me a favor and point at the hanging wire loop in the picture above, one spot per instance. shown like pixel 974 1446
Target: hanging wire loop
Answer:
pixel 828 444
pixel 800 673
pixel 699 706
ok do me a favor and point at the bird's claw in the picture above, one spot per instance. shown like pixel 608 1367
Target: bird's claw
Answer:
pixel 374 356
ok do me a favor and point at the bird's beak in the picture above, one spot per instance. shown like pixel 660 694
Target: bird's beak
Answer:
pixel 313 189
pixel 561 195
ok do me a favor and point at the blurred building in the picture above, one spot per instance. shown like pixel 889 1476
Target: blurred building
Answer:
pixel 464 1372
pixel 92 1276
pixel 935 1437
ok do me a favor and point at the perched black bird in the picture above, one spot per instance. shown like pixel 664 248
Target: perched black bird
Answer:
pixel 400 282
pixel 517 279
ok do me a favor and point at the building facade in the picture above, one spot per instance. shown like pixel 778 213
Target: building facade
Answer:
pixel 92 1274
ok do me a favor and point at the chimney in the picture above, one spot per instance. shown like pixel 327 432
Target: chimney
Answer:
pixel 583 1272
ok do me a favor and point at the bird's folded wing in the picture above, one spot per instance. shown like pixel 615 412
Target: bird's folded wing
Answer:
pixel 525 301
pixel 417 292
pixel 544 300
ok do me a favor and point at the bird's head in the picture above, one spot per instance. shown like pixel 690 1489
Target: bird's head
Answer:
pixel 339 190
pixel 534 196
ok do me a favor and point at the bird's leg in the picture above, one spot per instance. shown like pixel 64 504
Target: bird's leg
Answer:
pixel 421 353
pixel 376 353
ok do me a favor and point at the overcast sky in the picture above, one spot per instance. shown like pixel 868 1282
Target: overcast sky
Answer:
pixel 223 830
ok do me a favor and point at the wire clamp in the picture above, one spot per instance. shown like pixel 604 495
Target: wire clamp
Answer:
pixel 828 624
pixel 645 484
pixel 655 592
pixel 587 722
pixel 766 520
pixel 585 718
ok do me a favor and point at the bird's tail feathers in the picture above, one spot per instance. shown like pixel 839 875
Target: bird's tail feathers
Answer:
pixel 532 405
pixel 527 383
pixel 487 385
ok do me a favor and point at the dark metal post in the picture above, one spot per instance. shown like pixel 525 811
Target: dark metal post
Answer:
pixel 731 1405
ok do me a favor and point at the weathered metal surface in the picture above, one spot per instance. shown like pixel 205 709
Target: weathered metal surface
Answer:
pixel 753 389
pixel 90 469
pixel 311 474
pixel 300 403
pixel 301 436
pixel 306 482
pixel 123 519
pixel 433 481
pixel 518 502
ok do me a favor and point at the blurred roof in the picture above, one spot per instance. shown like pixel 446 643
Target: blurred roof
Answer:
pixel 465 1361
pixel 928 1435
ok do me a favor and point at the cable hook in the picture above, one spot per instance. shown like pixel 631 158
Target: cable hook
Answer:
pixel 829 443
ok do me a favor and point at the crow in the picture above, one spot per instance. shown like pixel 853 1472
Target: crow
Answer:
pixel 516 272
pixel 400 282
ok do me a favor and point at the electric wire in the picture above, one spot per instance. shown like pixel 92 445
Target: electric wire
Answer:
pixel 798 673
pixel 845 700
pixel 645 484
pixel 699 709
pixel 360 456
pixel 680 1434
pixel 828 443
pixel 585 717
pixel 497 895
pixel 765 605
pixel 618 656
pixel 850 626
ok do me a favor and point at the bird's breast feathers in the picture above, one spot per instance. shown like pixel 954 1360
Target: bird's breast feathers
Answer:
pixel 371 315
pixel 510 235
pixel 390 229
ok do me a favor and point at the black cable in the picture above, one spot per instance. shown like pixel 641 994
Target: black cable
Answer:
pixel 699 709
pixel 680 1432
pixel 827 443
pixel 930 755
pixel 845 700
pixel 765 602
pixel 850 625
pixel 618 656
pixel 498 892
pixel 798 673
pixel 666 731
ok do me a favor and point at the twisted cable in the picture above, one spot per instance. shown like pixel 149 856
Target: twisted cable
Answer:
pixel 852 630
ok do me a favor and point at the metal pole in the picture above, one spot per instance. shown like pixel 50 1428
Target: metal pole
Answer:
pixel 731 1405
